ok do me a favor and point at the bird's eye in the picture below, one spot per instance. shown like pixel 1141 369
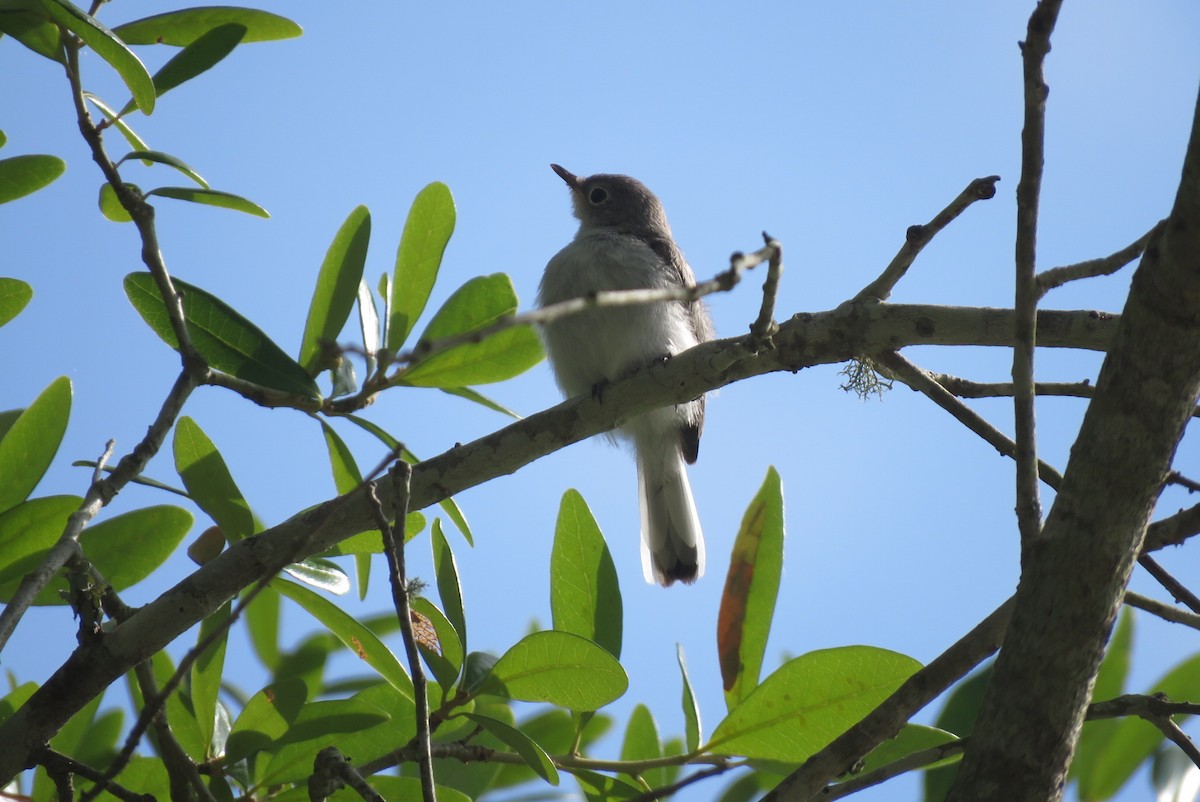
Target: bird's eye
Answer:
pixel 598 196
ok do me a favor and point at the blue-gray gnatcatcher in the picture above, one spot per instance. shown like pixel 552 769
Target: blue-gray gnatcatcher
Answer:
pixel 624 243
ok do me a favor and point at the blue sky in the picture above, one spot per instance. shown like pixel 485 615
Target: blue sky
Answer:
pixel 833 126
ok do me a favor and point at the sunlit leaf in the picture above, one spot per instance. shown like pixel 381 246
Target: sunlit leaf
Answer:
pixel 562 669
pixel 209 481
pixel 14 296
pixel 535 757
pixel 691 710
pixel 185 26
pixel 167 159
pixel 368 321
pixel 110 205
pixel 426 232
pixel 108 47
pixel 29 23
pixel 439 643
pixel 346 477
pixel 265 718
pixel 320 574
pixel 211 197
pixel 208 670
pixel 27 531
pixel 135 141
pixel 448 585
pixel 317 725
pixel 748 601
pixel 31 442
pixel 911 739
pixel 197 57
pixel 585 596
pixel 337 287
pixel 229 342
pixel 809 701
pixel 642 743
pixel 23 175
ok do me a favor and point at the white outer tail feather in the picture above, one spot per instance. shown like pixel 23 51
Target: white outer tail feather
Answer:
pixel 670 523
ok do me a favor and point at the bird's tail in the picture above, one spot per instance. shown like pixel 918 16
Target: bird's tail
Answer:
pixel 672 543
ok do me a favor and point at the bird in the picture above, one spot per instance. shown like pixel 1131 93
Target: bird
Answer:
pixel 625 243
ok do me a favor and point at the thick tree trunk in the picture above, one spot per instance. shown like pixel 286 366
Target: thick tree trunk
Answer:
pixel 1074 574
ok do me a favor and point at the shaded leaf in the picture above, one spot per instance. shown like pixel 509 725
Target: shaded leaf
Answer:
pixel 209 482
pixel 265 718
pixel 642 743
pixel 585 596
pixel 228 341
pixel 26 532
pixel 211 197
pixel 317 725
pixel 438 641
pixel 1086 767
pixel 346 477
pixel 185 26
pixel 110 205
pixel 911 739
pixel 347 629
pixel 14 296
pixel 562 669
pixel 426 231
pixel 448 585
pixel 29 23
pixel 603 788
pixel 337 287
pixel 809 701
pixel 199 56
pixel 167 159
pixel 957 716
pixel 31 442
pixel 751 587
pixel 691 710
pixel 481 399
pixel 108 47
pixel 207 671
pixel 23 175
pixel 535 757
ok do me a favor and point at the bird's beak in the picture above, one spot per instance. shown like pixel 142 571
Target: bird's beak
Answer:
pixel 573 181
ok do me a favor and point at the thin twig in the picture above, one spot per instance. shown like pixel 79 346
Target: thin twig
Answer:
pixel 1157 710
pixel 679 785
pixel 764 328
pixel 911 762
pixel 1172 585
pixel 1164 611
pixel 98 473
pixel 1105 265
pixel 1029 191
pixel 918 236
pixel 57 763
pixel 393 547
pixel 332 771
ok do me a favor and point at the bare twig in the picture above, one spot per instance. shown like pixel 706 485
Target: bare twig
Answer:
pixel 679 785
pixel 1172 585
pixel 765 326
pixel 918 236
pixel 58 764
pixel 1057 276
pixel 98 473
pixel 886 720
pixel 1157 710
pixel 332 771
pixel 1029 191
pixel 393 547
pixel 1164 611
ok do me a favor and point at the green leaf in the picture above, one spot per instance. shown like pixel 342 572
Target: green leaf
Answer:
pixel 347 629
pixel 27 531
pixel 29 23
pixel 23 175
pixel 1086 767
pixel 181 28
pixel 368 320
pixel 911 739
pixel 809 701
pixel 211 197
pixel 642 743
pixel 481 399
pixel 135 141
pixel 447 661
pixel 957 716
pixel 320 574
pixel 209 483
pixel 480 302
pixel 751 587
pixel 426 232
pixel 99 744
pixel 602 788
pixel 585 596
pixel 129 547
pixel 1174 776
pixel 388 787
pixel 197 57
pixel 262 625
pixel 562 669
pixel 14 296
pixel 228 341
pixel 30 444
pixel 265 719
pixel 337 288
pixel 315 727
pixel 346 477
pixel 448 585
pixel 691 710
pixel 108 47
pixel 164 158
pixel 534 756
pixel 207 672
pixel 110 205
pixel 1134 740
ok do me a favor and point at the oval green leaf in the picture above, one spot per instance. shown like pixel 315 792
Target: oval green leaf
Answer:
pixel 30 444
pixel 108 47
pixel 167 159
pixel 27 531
pixel 748 601
pixel 356 637
pixel 211 197
pixel 642 743
pixel 809 701
pixel 196 58
pixel 28 23
pixel 14 296
pixel 529 750
pixel 209 482
pixel 180 28
pixel 23 175
pixel 480 302
pixel 426 231
pixel 111 207
pixel 337 287
pixel 562 669
pixel 265 718
pixel 228 341
pixel 585 596
pixel 316 726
